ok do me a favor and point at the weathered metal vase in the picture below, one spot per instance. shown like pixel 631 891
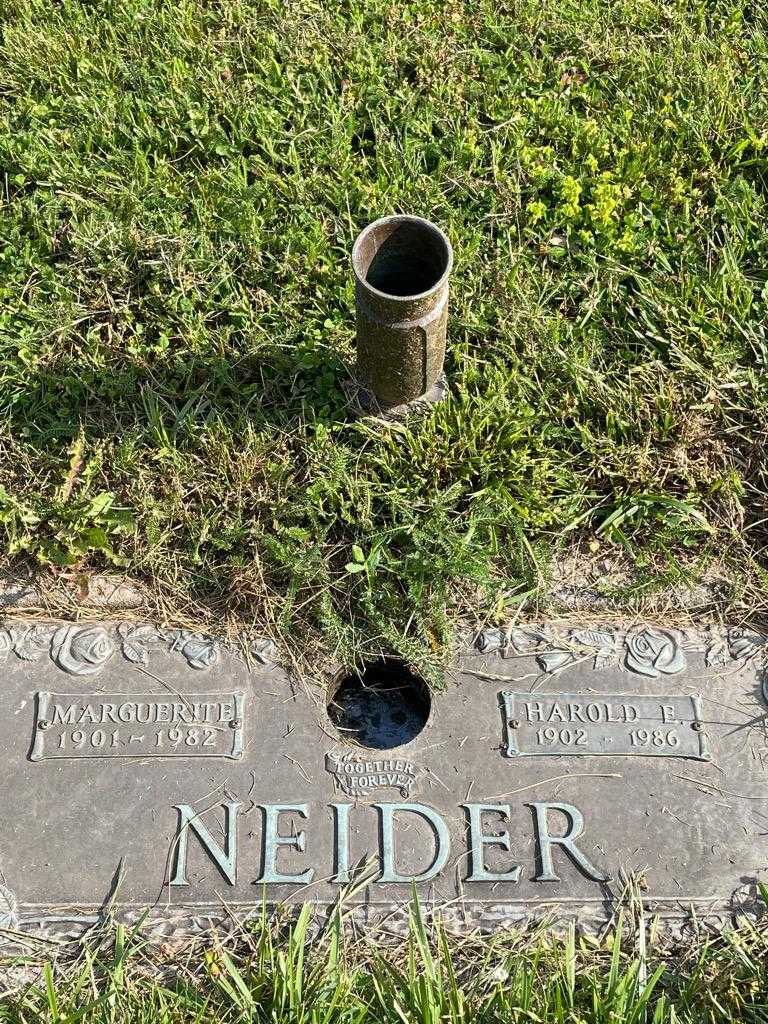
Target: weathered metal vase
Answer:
pixel 401 266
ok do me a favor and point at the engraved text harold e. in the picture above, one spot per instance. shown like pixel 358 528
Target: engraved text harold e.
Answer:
pixel 538 724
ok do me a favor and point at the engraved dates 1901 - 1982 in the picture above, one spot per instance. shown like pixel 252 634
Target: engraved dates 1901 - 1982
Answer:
pixel 138 725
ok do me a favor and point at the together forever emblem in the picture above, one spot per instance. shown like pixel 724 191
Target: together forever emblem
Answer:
pixel 357 776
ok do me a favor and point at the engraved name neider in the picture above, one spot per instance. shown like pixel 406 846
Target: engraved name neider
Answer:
pixel 538 724
pixel 144 725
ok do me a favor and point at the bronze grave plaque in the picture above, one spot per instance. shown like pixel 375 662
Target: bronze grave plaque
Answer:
pixel 151 770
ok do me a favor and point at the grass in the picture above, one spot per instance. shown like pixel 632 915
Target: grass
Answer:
pixel 430 978
pixel 181 182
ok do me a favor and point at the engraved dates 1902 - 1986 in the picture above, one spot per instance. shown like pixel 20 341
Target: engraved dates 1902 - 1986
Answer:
pixel 613 724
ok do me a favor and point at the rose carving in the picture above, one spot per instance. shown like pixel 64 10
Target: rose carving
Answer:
pixel 654 652
pixel 200 651
pixel 551 661
pixel 744 645
pixel 30 642
pixel 264 650
pixel 491 640
pixel 524 641
pixel 81 650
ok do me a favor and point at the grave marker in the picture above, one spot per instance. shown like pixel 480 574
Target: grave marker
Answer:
pixel 159 769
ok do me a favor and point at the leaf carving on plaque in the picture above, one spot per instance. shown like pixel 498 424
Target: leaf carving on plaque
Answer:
pixel 200 651
pixel 602 642
pixel 525 641
pixel 690 641
pixel 137 641
pixel 517 640
pixel 30 642
pixel 716 654
pixel 81 650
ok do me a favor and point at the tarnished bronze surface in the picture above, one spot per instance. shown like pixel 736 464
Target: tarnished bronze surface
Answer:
pixel 155 769
pixel 401 266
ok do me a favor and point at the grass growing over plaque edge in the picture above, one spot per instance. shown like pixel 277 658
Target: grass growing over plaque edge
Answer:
pixel 181 183
pixel 628 975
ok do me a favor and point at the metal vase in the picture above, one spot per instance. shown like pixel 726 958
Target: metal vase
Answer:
pixel 401 266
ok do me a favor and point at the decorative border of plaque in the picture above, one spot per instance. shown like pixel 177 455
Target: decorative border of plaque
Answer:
pixel 676 917
pixel 604 724
pixel 647 651
pixel 85 649
pixel 143 725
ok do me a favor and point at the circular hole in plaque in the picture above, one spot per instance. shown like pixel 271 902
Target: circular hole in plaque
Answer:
pixel 384 706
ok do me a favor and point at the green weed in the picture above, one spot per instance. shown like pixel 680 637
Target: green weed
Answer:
pixel 181 183
pixel 290 974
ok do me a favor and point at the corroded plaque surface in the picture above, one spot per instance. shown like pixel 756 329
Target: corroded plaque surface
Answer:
pixel 156 769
